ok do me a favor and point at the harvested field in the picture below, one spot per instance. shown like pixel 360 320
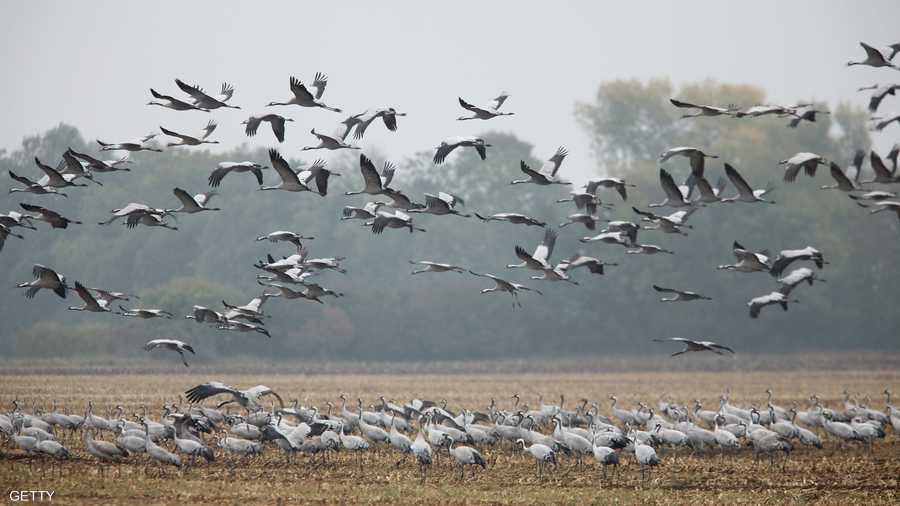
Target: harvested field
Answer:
pixel 834 475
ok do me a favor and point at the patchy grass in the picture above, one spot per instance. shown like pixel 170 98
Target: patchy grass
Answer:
pixel 835 475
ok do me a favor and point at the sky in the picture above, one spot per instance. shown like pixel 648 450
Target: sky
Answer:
pixel 91 63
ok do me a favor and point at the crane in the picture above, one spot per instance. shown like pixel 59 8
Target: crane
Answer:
pixel 692 345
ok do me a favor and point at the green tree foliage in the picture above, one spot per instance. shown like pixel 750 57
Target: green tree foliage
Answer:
pixel 388 315
pixel 631 122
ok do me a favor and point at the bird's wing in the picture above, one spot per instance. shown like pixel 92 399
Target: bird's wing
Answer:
pixel 155 343
pixel 893 154
pixel 737 180
pixel 205 197
pixel 523 255
pixel 39 271
pixel 433 201
pixel 349 123
pixel 185 197
pixel 483 275
pixel 134 219
pixel 216 176
pixel 22 179
pixel 51 173
pixel 281 166
pixel 780 263
pixel 366 119
pixel 299 90
pixel 390 120
pixel 669 187
pixel 720 347
pixel 649 214
pixel 545 250
pixel 257 172
pixel 175 134
pixel 721 183
pixel 878 165
pixel 471 107
pixel 38 209
pixel 85 294
pixel 226 92
pixel 252 125
pixel 272 433
pixel 387 174
pixel 87 158
pixel 499 100
pixel 529 171
pixel 451 199
pixel 665 290
pixel 440 154
pixel 322 177
pixel 164 97
pixel 482 150
pixel 840 177
pixel 684 215
pixel 261 391
pixel 72 164
pixel 255 304
pixel 684 105
pixel 877 97
pixel 557 159
pixel 592 186
pixel 705 188
pixel 665 155
pixel 277 123
pixel 871 52
pixel 882 124
pixel 369 173
pixel 200 392
pixel 675 339
pixel 209 129
pixel 319 83
pixel 698 162
pixel 194 91
pixel 324 137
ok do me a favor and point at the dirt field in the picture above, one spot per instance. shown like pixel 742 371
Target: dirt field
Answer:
pixel 835 475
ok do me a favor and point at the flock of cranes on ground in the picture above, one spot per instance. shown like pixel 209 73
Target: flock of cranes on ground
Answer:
pixel 294 276
pixel 426 430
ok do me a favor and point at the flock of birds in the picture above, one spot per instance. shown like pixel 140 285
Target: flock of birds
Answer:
pixel 292 277
pixel 425 430
pixel 419 427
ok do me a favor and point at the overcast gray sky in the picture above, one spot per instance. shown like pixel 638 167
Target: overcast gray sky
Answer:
pixel 91 63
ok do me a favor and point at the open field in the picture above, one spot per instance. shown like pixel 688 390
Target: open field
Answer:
pixel 833 475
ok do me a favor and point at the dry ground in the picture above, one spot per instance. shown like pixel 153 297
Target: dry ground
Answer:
pixel 834 475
